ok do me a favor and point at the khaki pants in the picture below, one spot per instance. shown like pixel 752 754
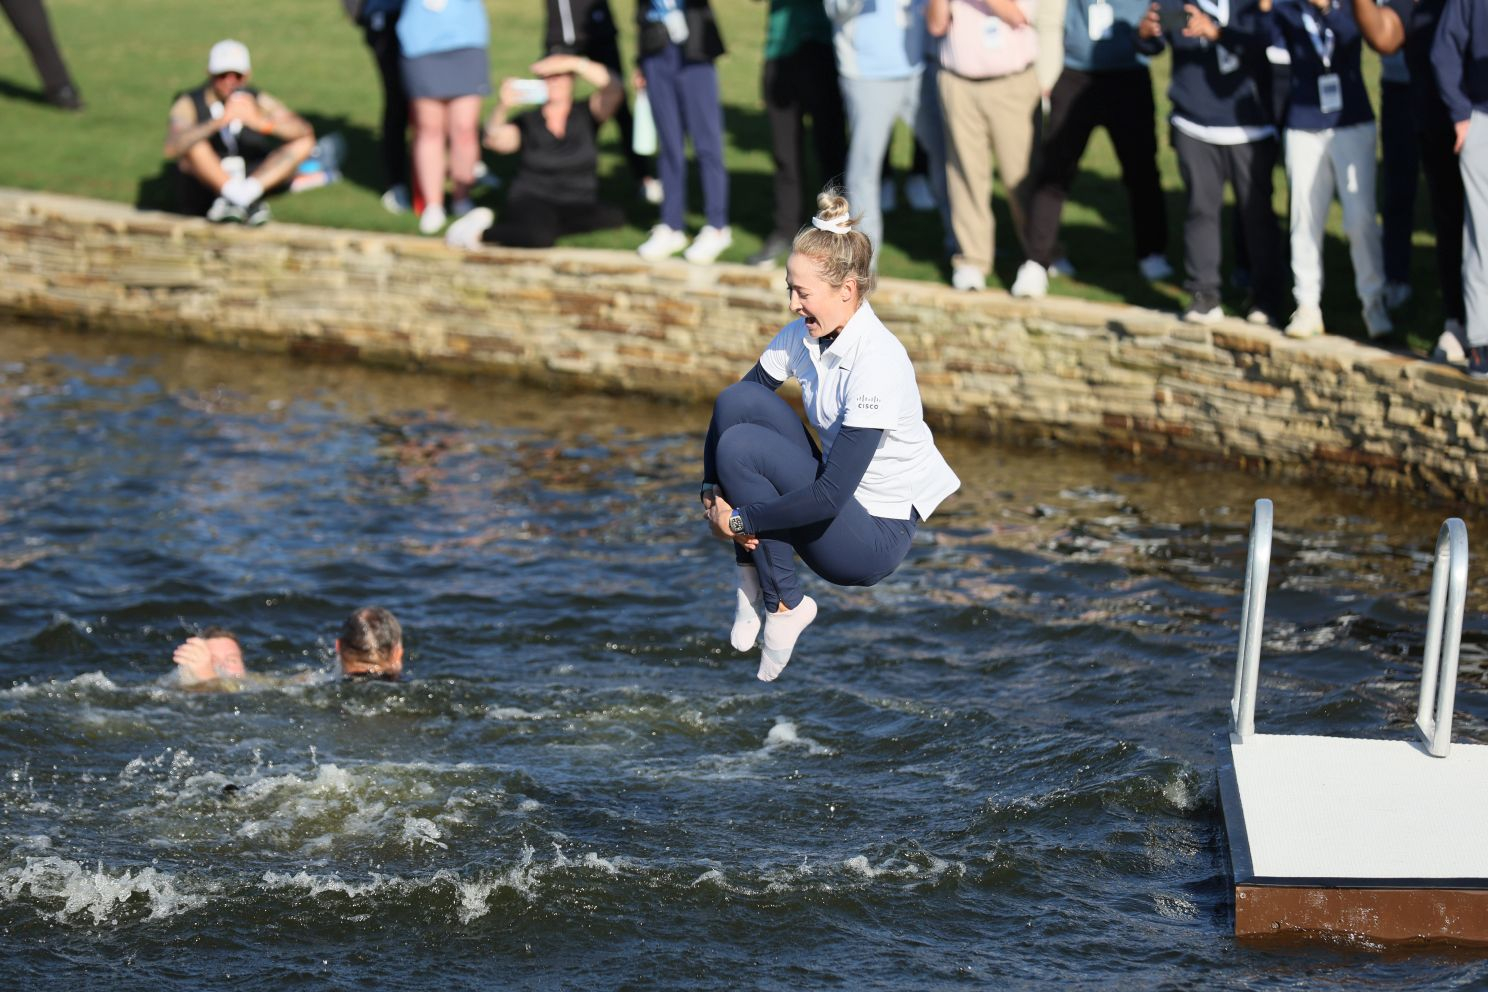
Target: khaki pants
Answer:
pixel 987 120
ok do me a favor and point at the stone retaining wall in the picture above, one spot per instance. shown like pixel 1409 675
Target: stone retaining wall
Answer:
pixel 1084 373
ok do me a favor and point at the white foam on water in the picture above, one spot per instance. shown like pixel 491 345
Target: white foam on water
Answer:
pixel 94 894
pixel 417 830
pixel 515 713
pixel 1174 907
pixel 88 680
pixel 932 870
pixel 528 806
pixel 1179 792
pixel 784 734
pixel 711 876
pixel 317 885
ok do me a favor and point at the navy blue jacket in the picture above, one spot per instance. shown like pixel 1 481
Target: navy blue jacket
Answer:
pixel 1217 84
pixel 1287 28
pixel 1460 57
pixel 1420 18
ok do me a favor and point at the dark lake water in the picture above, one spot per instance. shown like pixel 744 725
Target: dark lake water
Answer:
pixel 993 770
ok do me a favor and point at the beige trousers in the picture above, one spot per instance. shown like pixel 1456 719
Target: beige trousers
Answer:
pixel 987 120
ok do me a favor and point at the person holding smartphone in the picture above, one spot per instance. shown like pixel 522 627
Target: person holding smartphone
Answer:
pixel 556 190
pixel 1222 133
pixel 1330 137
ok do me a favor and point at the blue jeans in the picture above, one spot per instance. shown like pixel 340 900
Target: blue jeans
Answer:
pixel 685 104
pixel 757 448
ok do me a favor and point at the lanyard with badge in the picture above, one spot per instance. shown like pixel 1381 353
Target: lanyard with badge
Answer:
pixel 993 32
pixel 1226 60
pixel 1101 17
pixel 1330 89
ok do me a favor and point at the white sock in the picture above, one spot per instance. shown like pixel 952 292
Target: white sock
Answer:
pixel 748 598
pixel 781 631
pixel 242 192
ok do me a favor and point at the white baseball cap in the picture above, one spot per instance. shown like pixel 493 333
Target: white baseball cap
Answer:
pixel 228 56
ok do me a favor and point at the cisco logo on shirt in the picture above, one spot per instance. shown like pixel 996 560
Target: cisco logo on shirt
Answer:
pixel 867 402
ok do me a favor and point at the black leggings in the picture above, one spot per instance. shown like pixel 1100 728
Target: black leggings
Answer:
pixel 534 223
pixel 31 23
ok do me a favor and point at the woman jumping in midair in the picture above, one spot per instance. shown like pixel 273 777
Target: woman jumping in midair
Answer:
pixel 850 508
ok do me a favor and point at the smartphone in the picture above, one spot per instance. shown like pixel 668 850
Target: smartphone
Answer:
pixel 1172 16
pixel 531 90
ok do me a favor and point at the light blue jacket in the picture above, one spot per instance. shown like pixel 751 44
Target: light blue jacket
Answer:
pixel 455 24
pixel 878 39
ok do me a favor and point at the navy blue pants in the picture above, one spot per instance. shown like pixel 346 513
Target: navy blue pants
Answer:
pixel 759 449
pixel 685 104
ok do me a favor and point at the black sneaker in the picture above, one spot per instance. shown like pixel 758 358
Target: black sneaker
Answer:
pixel 65 97
pixel 775 246
pixel 1477 362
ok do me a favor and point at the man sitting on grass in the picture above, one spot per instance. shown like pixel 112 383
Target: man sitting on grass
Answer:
pixel 222 138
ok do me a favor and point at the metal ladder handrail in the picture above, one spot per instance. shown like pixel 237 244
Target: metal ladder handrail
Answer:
pixel 1252 615
pixel 1443 638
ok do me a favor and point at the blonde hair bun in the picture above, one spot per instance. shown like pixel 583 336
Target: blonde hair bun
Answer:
pixel 834 241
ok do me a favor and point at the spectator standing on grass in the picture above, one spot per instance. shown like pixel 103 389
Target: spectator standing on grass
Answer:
pixel 1459 55
pixel 1330 138
pixel 378 20
pixel 29 18
pixel 587 28
pixel 232 143
pixel 1103 84
pixel 445 73
pixel 880 47
pixel 996 58
pixel 679 41
pixel 556 190
pixel 799 81
pixel 1222 132
pixel 1411 25
pixel 1400 165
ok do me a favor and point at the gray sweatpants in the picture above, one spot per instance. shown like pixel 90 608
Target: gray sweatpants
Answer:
pixel 1473 160
pixel 872 106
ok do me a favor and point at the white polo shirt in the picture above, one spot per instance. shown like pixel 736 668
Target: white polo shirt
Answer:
pixel 865 379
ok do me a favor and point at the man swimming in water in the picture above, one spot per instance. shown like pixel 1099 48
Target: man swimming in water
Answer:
pixel 215 654
pixel 371 645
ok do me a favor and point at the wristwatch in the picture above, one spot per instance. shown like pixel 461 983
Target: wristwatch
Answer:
pixel 736 523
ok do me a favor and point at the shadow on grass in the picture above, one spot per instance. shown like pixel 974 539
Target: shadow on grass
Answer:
pixel 27 94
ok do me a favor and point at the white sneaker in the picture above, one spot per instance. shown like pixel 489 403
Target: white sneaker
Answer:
pixel 1032 282
pixel 918 194
pixel 1449 347
pixel 1397 295
pixel 968 278
pixel 708 245
pixel 431 221
pixel 1376 320
pixel 651 190
pixel 1194 314
pixel 466 232
pixel 222 211
pixel 781 633
pixel 1307 322
pixel 1155 267
pixel 664 242
pixel 888 198
pixel 1063 268
pixel 397 199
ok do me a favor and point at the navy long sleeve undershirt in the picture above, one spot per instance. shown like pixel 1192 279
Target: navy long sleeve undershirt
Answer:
pixel 835 483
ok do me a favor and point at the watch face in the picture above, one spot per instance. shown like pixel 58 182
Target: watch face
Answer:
pixel 736 524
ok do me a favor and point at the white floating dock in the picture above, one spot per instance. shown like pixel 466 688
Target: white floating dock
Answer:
pixel 1385 840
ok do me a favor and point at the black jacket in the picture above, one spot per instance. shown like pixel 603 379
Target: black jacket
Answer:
pixel 704 43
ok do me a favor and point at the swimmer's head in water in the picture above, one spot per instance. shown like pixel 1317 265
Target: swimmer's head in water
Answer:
pixel 838 250
pixel 371 644
pixel 214 654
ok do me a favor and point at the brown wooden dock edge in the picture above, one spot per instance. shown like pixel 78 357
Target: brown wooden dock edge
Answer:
pixel 1386 916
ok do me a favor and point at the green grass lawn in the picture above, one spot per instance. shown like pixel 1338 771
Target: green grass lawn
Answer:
pixel 130 58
